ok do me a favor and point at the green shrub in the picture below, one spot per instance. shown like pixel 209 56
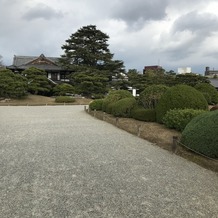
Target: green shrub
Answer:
pixel 179 118
pixel 201 134
pixel 113 97
pixel 140 113
pixel 180 97
pixel 63 89
pixel 123 107
pixel 64 99
pixel 96 104
pixel 151 95
pixel 210 90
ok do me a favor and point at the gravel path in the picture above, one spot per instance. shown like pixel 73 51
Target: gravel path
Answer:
pixel 58 161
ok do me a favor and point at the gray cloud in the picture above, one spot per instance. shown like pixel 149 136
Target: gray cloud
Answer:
pixel 41 11
pixel 199 23
pixel 178 33
pixel 136 13
pixel 188 34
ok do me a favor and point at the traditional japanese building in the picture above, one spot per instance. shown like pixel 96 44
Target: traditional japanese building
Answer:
pixel 50 65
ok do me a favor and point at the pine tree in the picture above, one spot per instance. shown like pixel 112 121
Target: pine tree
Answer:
pixel 87 47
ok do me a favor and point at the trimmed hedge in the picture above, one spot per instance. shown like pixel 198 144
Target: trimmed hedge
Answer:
pixel 123 107
pixel 208 89
pixel 151 95
pixel 180 97
pixel 179 118
pixel 63 89
pixel 201 134
pixel 142 114
pixel 113 97
pixel 64 99
pixel 96 104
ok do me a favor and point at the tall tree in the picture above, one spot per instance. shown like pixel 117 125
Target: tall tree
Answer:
pixel 86 52
pixel 87 47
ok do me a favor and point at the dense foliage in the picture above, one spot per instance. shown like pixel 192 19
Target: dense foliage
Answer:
pixel 140 113
pixel 63 89
pixel 88 47
pixel 210 92
pixel 37 81
pixel 151 95
pixel 90 83
pixel 180 97
pixel 64 99
pixel 123 107
pixel 113 97
pixel 141 81
pixel 179 118
pixel 96 104
pixel 12 85
pixel 86 53
pixel 201 134
pixel 190 79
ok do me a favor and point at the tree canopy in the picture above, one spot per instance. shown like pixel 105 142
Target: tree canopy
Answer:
pixel 86 52
pixel 87 47
pixel 12 85
pixel 37 81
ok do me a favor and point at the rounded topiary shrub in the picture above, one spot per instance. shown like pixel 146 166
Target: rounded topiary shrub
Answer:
pixel 151 95
pixel 201 134
pixel 63 89
pixel 123 107
pixel 113 97
pixel 179 118
pixel 142 114
pixel 209 90
pixel 96 104
pixel 64 99
pixel 180 97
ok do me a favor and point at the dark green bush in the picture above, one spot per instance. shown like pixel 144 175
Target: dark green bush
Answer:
pixel 140 113
pixel 64 99
pixel 180 97
pixel 210 90
pixel 201 134
pixel 96 104
pixel 151 95
pixel 63 89
pixel 123 107
pixel 113 97
pixel 179 118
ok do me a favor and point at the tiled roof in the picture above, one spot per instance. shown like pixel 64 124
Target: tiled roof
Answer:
pixel 23 60
pixel 214 82
pixel 41 62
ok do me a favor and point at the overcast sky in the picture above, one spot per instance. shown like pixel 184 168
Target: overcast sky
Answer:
pixel 171 33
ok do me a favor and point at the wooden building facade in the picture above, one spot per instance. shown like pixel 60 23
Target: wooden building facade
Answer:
pixel 50 65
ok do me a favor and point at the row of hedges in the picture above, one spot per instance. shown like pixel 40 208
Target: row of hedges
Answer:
pixel 180 107
pixel 154 103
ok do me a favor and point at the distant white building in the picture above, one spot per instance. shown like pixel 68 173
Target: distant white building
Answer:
pixel 184 70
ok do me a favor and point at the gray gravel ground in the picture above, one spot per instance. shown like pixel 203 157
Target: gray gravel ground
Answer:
pixel 57 161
